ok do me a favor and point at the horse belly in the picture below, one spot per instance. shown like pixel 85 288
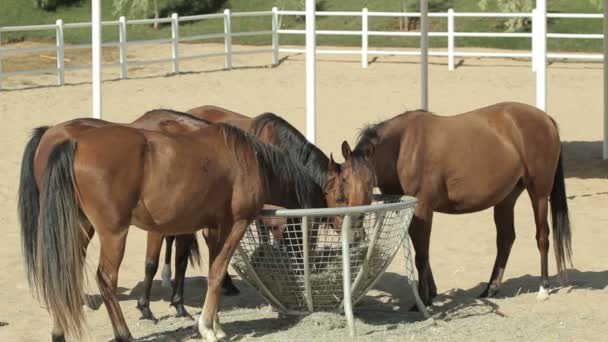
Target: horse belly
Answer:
pixel 475 193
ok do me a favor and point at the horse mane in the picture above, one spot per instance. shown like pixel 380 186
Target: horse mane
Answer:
pixel 181 114
pixel 368 136
pixel 276 167
pixel 296 145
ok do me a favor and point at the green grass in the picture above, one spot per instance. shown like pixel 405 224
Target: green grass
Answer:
pixel 22 12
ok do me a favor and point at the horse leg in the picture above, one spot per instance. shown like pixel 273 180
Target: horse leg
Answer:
pixel 420 233
pixel 228 287
pixel 182 247
pixel 540 205
pixel 166 273
pixel 154 244
pixel 221 249
pixel 112 250
pixel 505 236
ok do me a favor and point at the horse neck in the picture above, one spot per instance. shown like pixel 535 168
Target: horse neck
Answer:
pixel 288 186
pixel 386 153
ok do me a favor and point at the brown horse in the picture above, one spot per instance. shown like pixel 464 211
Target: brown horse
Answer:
pixel 110 177
pixel 463 164
pixel 187 248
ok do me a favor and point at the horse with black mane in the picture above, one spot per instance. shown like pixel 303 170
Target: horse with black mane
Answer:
pixel 162 120
pixel 463 164
pixel 110 177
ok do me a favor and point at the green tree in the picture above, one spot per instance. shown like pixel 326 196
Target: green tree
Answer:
pixel 51 5
pixel 158 8
pixel 511 24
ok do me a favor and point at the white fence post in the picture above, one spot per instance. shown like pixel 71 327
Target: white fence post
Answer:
pixel 364 38
pixel 541 55
pixel 59 53
pixel 122 36
pixel 175 41
pixel 424 54
pixel 228 39
pixel 451 39
pixel 534 38
pixel 0 60
pixel 275 36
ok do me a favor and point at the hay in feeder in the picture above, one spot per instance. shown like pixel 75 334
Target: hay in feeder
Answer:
pixel 277 271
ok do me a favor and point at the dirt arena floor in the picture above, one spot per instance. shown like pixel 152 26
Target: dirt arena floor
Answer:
pixel 462 249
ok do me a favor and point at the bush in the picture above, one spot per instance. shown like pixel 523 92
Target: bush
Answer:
pixel 512 24
pixel 51 5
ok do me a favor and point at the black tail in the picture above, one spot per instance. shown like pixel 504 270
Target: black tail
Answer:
pixel 60 241
pixel 562 235
pixel 194 254
pixel 28 203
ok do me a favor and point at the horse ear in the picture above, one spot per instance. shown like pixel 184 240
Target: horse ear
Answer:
pixel 346 151
pixel 333 166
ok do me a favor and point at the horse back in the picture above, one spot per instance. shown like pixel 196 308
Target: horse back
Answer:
pixel 471 161
pixel 216 114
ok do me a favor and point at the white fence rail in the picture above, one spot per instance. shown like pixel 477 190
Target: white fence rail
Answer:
pixel 122 24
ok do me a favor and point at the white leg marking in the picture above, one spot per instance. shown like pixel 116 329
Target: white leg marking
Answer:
pixel 543 294
pixel 206 334
pixel 166 275
pixel 217 328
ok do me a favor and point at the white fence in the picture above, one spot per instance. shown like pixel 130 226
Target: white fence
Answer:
pixel 274 15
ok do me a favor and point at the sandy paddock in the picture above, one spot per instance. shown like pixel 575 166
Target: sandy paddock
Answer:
pixel 462 249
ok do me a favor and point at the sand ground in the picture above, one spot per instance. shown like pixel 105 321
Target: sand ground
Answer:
pixel 462 248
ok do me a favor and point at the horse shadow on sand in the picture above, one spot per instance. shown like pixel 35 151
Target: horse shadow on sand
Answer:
pixel 386 306
pixel 463 303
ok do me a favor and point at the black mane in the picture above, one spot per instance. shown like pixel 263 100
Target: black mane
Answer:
pixel 296 146
pixel 278 168
pixel 368 136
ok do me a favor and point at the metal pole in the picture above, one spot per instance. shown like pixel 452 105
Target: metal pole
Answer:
pixel 541 54
pixel 310 71
pixel 424 54
pixel 275 36
pixel 364 37
pixel 605 79
pixel 59 53
pixel 348 297
pixel 175 41
pixel 451 39
pixel 306 257
pixel 228 39
pixel 0 60
pixel 96 47
pixel 122 36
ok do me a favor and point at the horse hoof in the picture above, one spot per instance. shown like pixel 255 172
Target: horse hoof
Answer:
pixel 181 312
pixel 146 314
pixel 543 294
pixel 230 290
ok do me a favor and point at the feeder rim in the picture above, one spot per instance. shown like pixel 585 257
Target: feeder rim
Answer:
pixel 402 203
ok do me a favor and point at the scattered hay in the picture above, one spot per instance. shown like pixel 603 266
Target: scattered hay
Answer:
pixel 326 320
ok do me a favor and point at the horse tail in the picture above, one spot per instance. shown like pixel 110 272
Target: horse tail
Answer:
pixel 60 253
pixel 194 254
pixel 562 235
pixel 28 203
